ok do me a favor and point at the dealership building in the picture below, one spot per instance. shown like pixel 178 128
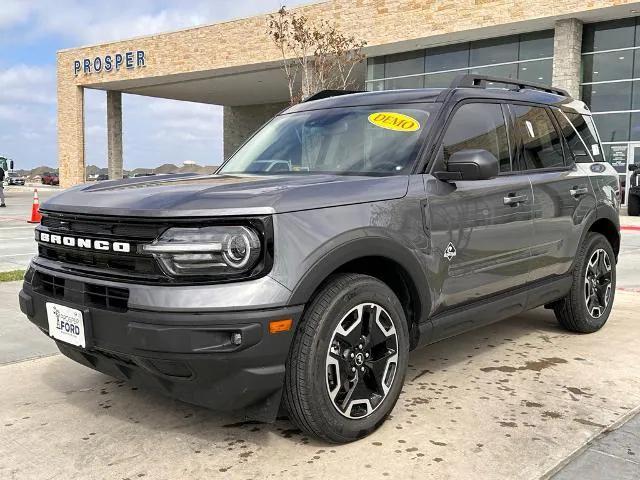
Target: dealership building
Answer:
pixel 591 48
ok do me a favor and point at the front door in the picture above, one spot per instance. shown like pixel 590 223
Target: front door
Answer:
pixel 480 230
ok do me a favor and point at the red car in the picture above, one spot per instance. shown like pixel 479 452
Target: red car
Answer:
pixel 50 178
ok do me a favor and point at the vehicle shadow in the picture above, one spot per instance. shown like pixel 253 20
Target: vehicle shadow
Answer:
pixel 507 346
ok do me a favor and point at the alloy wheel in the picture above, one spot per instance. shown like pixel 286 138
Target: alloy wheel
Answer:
pixel 362 360
pixel 597 283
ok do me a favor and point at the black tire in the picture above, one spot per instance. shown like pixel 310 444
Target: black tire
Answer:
pixel 572 311
pixel 306 390
pixel 633 205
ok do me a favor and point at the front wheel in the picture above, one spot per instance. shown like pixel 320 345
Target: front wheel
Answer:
pixel 587 306
pixel 348 360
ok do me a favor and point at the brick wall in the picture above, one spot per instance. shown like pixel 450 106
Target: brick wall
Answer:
pixel 241 122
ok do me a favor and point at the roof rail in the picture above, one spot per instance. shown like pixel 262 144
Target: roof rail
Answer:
pixel 329 93
pixel 480 81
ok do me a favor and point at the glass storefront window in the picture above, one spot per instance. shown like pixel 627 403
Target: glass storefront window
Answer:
pixel 448 57
pixel 406 63
pixel 635 127
pixel 441 80
pixel 609 35
pixel 536 45
pixel 600 67
pixel 540 71
pixel 375 68
pixel 437 66
pixel 406 82
pixel 606 97
pixel 613 127
pixel 507 71
pixel 493 50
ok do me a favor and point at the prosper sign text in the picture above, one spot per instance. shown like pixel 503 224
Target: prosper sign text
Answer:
pixel 109 62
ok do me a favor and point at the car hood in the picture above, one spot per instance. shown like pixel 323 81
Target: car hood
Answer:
pixel 195 195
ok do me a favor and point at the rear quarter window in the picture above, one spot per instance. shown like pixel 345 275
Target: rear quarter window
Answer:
pixel 580 133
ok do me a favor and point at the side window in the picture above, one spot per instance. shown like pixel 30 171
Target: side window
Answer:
pixel 582 136
pixel 542 145
pixel 478 126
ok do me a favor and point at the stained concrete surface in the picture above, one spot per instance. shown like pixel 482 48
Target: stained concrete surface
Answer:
pixel 509 401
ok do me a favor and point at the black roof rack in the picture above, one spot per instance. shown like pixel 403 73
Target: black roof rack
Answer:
pixel 480 81
pixel 329 93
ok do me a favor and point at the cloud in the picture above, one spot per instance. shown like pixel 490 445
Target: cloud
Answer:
pixel 27 84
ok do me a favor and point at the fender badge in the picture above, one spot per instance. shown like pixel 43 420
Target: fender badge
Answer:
pixel 450 251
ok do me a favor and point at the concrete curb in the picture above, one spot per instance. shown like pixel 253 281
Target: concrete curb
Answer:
pixel 577 452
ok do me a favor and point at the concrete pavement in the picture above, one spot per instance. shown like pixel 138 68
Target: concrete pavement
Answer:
pixel 19 339
pixel 17 245
pixel 509 401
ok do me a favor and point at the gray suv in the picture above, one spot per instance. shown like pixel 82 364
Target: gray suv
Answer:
pixel 349 230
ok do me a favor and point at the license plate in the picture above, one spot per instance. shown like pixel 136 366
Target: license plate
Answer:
pixel 66 324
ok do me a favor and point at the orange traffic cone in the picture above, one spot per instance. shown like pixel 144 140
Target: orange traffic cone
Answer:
pixel 35 208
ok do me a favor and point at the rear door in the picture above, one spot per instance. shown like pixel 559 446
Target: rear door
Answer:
pixel 562 192
pixel 481 230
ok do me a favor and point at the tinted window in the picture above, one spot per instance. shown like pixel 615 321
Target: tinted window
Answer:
pixel 580 134
pixel 478 126
pixel 542 146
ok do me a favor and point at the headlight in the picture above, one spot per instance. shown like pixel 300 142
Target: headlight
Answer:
pixel 216 251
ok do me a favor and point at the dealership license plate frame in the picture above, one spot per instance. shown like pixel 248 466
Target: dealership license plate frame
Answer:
pixel 76 316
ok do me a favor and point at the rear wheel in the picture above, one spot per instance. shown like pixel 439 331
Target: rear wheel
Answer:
pixel 587 306
pixel 348 359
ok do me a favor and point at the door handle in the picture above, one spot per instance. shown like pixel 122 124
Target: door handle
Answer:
pixel 577 191
pixel 513 199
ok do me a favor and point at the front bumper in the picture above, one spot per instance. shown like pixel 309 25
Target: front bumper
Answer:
pixel 187 355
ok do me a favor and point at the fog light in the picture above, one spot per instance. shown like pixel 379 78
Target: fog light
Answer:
pixel 236 338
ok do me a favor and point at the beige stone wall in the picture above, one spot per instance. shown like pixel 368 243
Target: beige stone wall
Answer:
pixel 243 42
pixel 241 122
pixel 567 55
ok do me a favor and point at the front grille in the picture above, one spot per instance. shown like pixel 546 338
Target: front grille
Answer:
pixel 83 293
pixel 109 298
pixel 132 266
pixel 54 286
pixel 102 229
pixel 138 265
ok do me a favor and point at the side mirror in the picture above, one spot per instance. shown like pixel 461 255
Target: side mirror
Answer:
pixel 11 165
pixel 634 166
pixel 470 164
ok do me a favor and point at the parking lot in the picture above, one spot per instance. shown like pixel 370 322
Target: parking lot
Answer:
pixel 16 235
pixel 512 400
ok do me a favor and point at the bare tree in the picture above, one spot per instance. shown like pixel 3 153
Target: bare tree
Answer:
pixel 315 54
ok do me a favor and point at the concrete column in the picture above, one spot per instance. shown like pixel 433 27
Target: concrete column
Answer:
pixel 240 123
pixel 567 55
pixel 114 134
pixel 71 134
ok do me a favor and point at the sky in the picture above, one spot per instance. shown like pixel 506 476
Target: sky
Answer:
pixel 155 131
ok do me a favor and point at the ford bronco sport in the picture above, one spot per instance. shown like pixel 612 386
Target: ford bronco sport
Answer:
pixel 349 230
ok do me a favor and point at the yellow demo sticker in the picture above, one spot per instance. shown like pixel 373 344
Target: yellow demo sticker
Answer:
pixel 394 121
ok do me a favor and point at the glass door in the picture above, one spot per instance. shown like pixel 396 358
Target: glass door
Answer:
pixel 633 157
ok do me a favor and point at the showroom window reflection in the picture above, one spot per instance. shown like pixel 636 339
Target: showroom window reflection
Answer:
pixel 526 57
pixel 611 84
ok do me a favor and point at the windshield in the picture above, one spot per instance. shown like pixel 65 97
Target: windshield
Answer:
pixel 352 140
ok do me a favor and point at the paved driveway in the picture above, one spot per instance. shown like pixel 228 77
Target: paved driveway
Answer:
pixel 504 402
